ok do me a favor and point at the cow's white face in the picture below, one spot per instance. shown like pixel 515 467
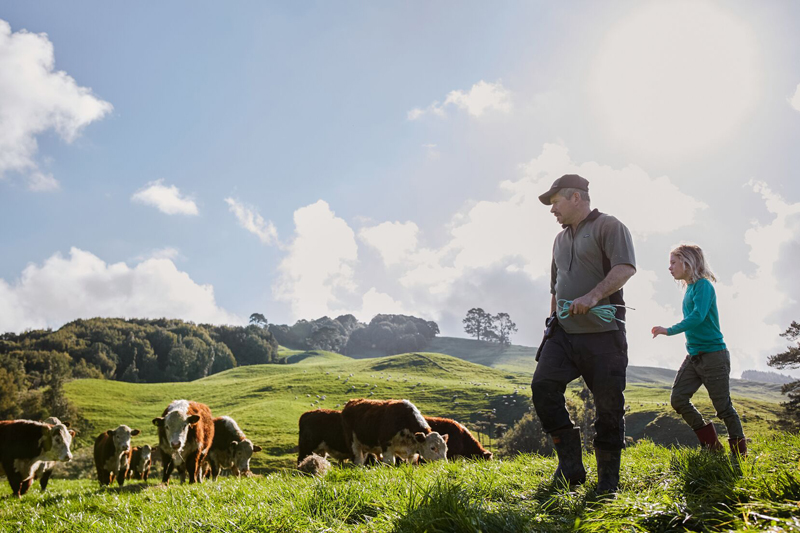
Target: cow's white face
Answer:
pixel 241 452
pixel 433 446
pixel 60 441
pixel 122 438
pixel 176 427
pixel 144 457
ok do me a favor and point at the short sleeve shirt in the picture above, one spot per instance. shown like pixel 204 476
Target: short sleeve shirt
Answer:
pixel 583 259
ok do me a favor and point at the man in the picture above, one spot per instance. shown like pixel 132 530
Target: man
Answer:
pixel 592 259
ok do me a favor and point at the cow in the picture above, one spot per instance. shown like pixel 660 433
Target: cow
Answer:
pixel 45 469
pixel 24 444
pixel 230 449
pixel 460 443
pixel 141 459
pixel 321 432
pixel 185 434
pixel 393 428
pixel 112 454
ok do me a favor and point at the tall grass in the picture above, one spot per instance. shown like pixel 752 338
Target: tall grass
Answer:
pixel 662 490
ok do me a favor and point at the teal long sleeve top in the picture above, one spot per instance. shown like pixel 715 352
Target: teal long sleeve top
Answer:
pixel 700 319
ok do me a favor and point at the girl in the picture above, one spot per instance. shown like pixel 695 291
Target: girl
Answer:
pixel 708 362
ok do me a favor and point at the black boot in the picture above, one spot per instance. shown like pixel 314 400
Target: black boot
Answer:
pixel 570 457
pixel 607 471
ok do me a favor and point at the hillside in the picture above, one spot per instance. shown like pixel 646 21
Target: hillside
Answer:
pixel 267 400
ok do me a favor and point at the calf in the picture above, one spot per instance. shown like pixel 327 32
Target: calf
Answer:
pixel 24 444
pixel 230 449
pixel 185 434
pixel 460 443
pixel 321 432
pixel 140 462
pixel 112 454
pixel 391 427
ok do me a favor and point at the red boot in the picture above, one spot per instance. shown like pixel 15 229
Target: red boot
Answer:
pixel 708 437
pixel 738 447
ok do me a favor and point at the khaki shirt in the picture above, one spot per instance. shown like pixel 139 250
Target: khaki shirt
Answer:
pixel 583 260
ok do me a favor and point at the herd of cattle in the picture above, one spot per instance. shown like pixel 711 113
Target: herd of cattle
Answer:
pixel 200 446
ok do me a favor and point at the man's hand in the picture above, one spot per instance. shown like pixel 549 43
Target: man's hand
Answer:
pixel 658 330
pixel 582 305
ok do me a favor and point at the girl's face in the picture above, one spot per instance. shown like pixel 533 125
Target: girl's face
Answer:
pixel 677 268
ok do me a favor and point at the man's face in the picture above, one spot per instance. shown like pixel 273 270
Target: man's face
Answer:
pixel 564 209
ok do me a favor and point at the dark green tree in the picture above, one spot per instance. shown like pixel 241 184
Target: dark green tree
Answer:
pixel 505 327
pixel 790 359
pixel 257 319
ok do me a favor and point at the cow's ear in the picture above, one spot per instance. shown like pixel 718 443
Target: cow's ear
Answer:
pixel 66 424
pixel 419 436
pixel 158 421
pixel 135 432
pixel 232 446
pixel 194 419
pixel 445 436
pixel 256 448
pixel 72 432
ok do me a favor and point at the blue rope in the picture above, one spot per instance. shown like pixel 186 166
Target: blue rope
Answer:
pixel 606 313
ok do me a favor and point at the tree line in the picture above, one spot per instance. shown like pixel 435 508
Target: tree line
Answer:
pixel 488 327
pixel 35 364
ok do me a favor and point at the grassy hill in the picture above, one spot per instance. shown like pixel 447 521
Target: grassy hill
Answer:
pixel 267 400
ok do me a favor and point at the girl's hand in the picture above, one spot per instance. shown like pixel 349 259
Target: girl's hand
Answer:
pixel 658 330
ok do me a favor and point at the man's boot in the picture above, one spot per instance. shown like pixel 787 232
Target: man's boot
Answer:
pixel 707 435
pixel 570 456
pixel 738 447
pixel 607 471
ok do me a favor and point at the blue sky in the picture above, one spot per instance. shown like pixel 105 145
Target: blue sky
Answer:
pixel 318 158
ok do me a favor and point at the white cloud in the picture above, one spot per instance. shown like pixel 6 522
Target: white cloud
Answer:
pixel 318 269
pixel 84 286
pixel 166 252
pixel 250 220
pixel 35 98
pixel 374 303
pixel 393 240
pixel 794 101
pixel 482 97
pixel 166 199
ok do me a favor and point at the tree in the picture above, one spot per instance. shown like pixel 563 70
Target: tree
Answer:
pixel 505 327
pixel 526 436
pixel 790 359
pixel 478 323
pixel 259 320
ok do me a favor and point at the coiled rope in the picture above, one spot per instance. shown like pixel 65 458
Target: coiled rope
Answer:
pixel 606 313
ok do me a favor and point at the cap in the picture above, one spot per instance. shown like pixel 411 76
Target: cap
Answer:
pixel 567 181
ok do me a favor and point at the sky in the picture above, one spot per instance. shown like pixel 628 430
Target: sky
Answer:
pixel 206 162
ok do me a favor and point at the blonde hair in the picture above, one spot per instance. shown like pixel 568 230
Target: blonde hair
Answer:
pixel 695 262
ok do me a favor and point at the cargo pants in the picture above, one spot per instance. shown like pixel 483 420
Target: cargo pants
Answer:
pixel 601 359
pixel 711 369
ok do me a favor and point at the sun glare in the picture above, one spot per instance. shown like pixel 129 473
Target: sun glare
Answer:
pixel 674 78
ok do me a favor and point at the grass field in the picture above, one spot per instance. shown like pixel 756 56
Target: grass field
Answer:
pixel 662 490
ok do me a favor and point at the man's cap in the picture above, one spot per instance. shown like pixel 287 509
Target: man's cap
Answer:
pixel 567 181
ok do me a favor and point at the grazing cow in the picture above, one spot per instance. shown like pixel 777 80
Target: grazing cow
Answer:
pixel 45 469
pixel 112 454
pixel 392 428
pixel 185 434
pixel 24 444
pixel 230 449
pixel 460 443
pixel 321 432
pixel 141 459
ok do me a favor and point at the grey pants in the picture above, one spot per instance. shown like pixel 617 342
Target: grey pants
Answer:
pixel 713 370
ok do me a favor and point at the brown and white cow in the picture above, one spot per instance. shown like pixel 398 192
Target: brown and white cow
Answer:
pixel 141 459
pixel 24 444
pixel 112 454
pixel 460 443
pixel 45 469
pixel 391 428
pixel 230 449
pixel 185 434
pixel 321 432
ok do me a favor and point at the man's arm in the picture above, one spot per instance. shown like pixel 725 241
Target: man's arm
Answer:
pixel 616 278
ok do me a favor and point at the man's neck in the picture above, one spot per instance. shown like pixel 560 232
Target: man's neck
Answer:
pixel 581 217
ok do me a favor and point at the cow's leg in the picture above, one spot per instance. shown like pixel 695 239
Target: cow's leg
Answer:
pixel 168 466
pixel 15 480
pixel 145 473
pixel 45 479
pixel 25 485
pixel 193 467
pixel 214 469
pixel 121 475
